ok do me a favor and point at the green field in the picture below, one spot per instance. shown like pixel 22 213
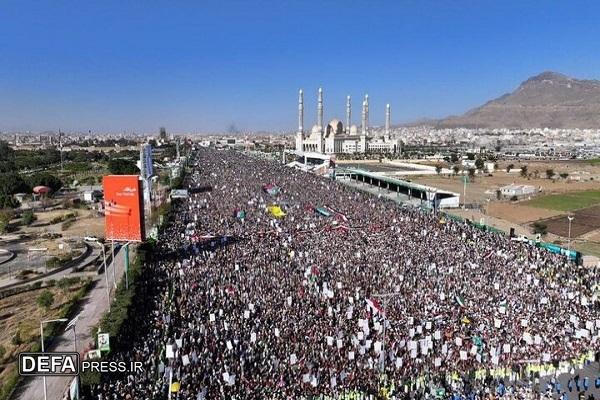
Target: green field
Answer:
pixel 567 201
pixel 594 161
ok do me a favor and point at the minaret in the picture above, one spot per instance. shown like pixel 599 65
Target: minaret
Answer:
pixel 364 118
pixel 348 114
pixel 300 133
pixel 320 110
pixel 363 133
pixel 388 116
pixel 321 148
pixel 367 114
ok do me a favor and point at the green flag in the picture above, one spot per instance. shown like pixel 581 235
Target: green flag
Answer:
pixel 103 342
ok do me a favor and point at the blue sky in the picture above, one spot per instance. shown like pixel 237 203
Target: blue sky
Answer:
pixel 200 66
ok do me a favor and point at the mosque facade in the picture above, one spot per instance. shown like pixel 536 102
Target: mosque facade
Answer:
pixel 335 138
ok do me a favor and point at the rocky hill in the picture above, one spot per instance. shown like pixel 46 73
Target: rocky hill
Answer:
pixel 548 100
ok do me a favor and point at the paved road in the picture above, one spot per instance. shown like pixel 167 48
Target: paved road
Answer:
pixel 93 306
pixel 9 279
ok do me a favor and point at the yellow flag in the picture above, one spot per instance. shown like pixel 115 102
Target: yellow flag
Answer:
pixel 175 386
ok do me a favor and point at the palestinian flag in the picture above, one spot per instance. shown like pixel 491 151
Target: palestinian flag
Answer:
pixel 460 301
pixel 375 306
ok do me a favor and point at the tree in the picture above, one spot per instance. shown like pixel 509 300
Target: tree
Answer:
pixel 10 184
pixel 524 171
pixel 456 169
pixel 45 299
pixel 119 166
pixel 470 156
pixel 549 173
pixel 454 157
pixel 471 174
pixel 28 217
pixel 479 164
pixel 540 227
pixel 5 217
pixel 509 167
pixel 45 179
pixel 438 169
pixel 564 175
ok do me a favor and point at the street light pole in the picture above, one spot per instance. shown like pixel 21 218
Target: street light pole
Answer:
pixel 105 273
pixel 385 297
pixel 43 348
pixel 73 324
pixel 570 218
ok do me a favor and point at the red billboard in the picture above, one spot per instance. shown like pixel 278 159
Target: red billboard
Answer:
pixel 123 208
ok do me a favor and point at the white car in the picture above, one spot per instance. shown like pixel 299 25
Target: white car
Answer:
pixel 90 239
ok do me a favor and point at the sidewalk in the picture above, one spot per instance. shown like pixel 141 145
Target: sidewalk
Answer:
pixel 92 308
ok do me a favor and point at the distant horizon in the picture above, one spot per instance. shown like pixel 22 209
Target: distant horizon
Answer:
pixel 200 67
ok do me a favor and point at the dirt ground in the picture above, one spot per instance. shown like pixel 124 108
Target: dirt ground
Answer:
pixel 517 213
pixel 20 312
pixel 484 187
pixel 584 221
pixel 88 223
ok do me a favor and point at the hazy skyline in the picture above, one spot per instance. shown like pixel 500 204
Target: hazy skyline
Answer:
pixel 202 66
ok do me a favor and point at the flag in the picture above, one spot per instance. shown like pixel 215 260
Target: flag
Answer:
pixel 240 214
pixel 175 386
pixel 465 320
pixel 460 301
pixel 322 211
pixel 271 189
pixel 104 342
pixel 93 354
pixel 374 305
pixel 72 323
pixel 276 211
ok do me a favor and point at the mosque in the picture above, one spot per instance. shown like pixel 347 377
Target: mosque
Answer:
pixel 337 139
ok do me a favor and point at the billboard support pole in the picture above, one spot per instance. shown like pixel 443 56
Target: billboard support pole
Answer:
pixel 105 274
pixel 114 264
pixel 126 256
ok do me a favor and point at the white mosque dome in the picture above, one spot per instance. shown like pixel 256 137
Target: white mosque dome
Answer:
pixel 353 130
pixel 316 129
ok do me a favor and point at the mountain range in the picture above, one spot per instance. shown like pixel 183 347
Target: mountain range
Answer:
pixel 550 99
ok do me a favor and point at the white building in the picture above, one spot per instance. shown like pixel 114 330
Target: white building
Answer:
pixel 335 139
pixel 517 190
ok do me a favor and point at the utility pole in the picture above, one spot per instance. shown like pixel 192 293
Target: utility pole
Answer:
pixel 385 297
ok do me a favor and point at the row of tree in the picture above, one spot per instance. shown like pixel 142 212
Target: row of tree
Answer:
pixel 12 183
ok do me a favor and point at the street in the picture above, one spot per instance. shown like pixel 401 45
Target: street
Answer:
pixel 92 308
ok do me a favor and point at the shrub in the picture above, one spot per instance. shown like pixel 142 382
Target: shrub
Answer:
pixel 540 227
pixel 28 217
pixel 16 338
pixel 45 299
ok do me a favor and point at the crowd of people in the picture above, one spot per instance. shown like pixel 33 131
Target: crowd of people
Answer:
pixel 347 294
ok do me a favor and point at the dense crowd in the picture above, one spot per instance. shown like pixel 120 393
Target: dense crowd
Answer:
pixel 362 296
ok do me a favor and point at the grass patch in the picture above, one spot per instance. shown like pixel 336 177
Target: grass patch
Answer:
pixel 27 335
pixel 594 161
pixel 567 201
